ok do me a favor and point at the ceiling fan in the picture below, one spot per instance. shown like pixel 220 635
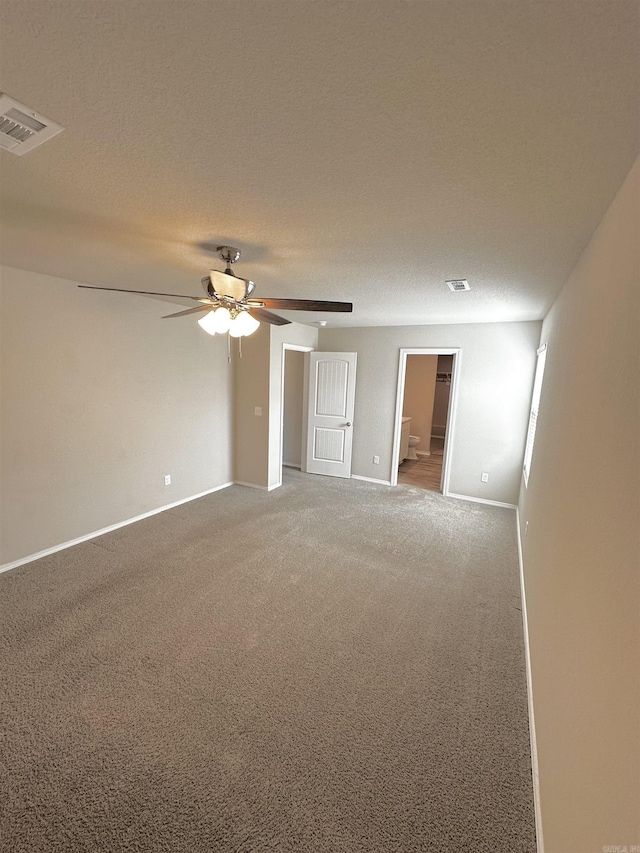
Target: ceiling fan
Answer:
pixel 227 303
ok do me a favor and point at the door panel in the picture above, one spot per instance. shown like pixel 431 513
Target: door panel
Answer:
pixel 328 444
pixel 332 385
pixel 331 388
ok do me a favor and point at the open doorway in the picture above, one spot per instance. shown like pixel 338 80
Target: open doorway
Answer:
pixel 294 371
pixel 424 418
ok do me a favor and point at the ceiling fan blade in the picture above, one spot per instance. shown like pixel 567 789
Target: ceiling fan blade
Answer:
pixel 189 311
pixel 142 292
pixel 303 304
pixel 268 317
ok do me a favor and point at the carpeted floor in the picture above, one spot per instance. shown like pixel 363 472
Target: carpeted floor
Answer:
pixel 333 666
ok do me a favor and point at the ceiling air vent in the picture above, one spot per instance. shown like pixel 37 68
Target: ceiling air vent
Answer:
pixel 458 284
pixel 22 129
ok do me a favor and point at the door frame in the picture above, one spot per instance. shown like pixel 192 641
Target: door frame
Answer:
pixel 296 348
pixel 456 352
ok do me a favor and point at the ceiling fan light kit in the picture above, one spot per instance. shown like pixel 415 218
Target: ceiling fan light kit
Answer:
pixel 227 302
pixel 243 325
pixel 215 322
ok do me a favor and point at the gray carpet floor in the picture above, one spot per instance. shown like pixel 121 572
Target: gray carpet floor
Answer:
pixel 332 666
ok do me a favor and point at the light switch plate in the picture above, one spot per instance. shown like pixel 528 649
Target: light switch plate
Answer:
pixel 257 410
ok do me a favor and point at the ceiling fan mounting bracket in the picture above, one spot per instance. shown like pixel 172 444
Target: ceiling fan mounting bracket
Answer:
pixel 229 254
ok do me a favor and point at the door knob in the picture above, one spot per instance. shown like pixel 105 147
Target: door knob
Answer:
pixel 348 423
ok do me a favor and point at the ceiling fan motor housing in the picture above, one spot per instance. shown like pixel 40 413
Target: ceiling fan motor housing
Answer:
pixel 225 284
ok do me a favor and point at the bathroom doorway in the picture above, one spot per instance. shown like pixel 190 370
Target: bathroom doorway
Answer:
pixel 424 418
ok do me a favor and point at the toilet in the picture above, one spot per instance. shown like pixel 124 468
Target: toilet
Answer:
pixel 414 441
pixel 408 442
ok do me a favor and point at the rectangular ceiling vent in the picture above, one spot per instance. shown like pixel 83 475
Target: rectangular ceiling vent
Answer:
pixel 21 128
pixel 458 284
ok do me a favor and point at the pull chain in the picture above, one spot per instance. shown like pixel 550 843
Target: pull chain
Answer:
pixel 229 348
pixel 240 346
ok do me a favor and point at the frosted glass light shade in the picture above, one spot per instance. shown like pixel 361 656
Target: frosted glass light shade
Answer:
pixel 207 323
pixel 243 325
pixel 221 320
pixel 249 324
pixel 235 329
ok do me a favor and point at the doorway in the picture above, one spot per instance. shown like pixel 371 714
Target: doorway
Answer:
pixel 292 425
pixel 425 410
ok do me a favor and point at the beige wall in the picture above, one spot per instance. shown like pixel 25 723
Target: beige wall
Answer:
pixel 582 550
pixel 496 378
pixel 251 431
pixel 100 398
pixel 419 394
pixel 293 408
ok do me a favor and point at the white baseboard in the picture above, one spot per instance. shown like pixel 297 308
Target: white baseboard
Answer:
pixel 480 500
pixel 371 480
pixel 423 453
pixel 103 530
pixel 532 724
pixel 291 465
pixel 256 486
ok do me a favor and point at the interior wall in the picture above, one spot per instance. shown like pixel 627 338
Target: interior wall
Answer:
pixel 580 523
pixel 100 398
pixel 495 382
pixel 293 408
pixel 251 430
pixel 419 395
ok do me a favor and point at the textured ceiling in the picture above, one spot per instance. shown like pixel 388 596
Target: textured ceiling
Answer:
pixel 354 150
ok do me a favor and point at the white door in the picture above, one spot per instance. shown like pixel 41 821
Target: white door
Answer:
pixel 332 391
